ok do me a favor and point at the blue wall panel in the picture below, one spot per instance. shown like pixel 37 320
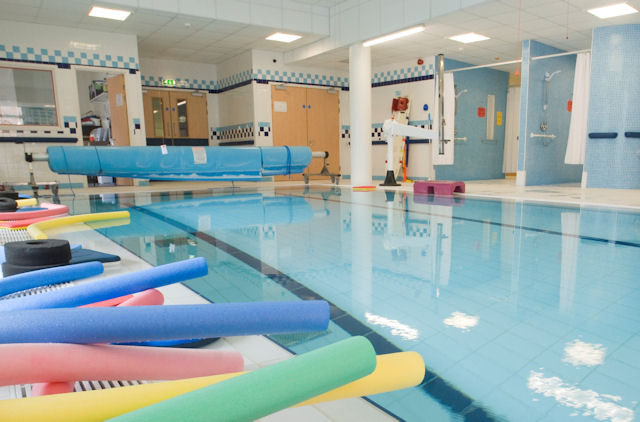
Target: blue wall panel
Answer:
pixel 477 159
pixel 544 157
pixel 614 106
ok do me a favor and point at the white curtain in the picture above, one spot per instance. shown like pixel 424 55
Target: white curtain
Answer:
pixel 511 130
pixel 580 110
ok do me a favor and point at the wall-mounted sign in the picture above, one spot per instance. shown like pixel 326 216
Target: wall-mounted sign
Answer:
pixel 169 82
pixel 499 118
pixel 481 111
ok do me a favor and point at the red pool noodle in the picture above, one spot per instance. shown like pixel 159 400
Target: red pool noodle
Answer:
pixel 47 388
pixel 27 363
pixel 50 211
pixel 147 297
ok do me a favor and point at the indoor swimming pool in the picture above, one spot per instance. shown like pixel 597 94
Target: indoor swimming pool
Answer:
pixel 522 311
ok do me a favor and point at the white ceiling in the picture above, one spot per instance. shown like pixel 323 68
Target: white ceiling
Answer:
pixel 181 37
pixel 564 24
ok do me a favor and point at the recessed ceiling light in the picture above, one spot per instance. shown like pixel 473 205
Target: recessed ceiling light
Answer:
pixel 282 37
pixel 469 37
pixel 394 36
pixel 103 12
pixel 612 11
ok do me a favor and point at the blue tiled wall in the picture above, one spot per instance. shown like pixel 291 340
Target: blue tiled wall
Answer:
pixel 475 159
pixel 544 158
pixel 44 55
pixel 614 106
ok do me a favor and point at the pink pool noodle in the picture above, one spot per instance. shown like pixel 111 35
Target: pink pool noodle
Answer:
pixel 148 297
pixel 109 302
pixel 27 363
pixel 49 210
pixel 47 388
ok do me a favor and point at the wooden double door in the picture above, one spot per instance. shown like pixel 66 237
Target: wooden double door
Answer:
pixel 175 117
pixel 307 117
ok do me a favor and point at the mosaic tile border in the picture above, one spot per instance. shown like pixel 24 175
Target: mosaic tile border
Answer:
pixel 68 57
pixel 242 131
pixel 306 78
pixel 186 83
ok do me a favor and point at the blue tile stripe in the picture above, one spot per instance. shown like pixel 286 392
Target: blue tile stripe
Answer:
pixel 307 78
pixel 403 74
pixel 187 83
pixel 240 131
pixel 68 57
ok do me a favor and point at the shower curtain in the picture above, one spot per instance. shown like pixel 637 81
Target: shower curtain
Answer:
pixel 580 110
pixel 512 127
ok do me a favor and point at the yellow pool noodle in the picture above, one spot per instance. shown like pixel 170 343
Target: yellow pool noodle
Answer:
pixel 26 202
pixel 38 230
pixel 393 371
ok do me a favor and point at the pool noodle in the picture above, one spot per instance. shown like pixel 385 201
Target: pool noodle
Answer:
pixel 393 371
pixel 109 302
pixel 48 388
pixel 174 322
pixel 47 276
pixel 26 202
pixel 145 298
pixel 45 210
pixel 38 230
pixel 264 391
pixel 60 362
pixel 110 287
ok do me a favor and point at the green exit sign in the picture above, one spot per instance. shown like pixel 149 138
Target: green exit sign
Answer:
pixel 169 82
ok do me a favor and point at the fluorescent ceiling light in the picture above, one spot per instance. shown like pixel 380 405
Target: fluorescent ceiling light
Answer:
pixel 394 36
pixel 103 12
pixel 282 37
pixel 469 37
pixel 612 11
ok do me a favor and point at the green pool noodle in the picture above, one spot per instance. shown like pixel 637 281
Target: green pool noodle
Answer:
pixel 267 390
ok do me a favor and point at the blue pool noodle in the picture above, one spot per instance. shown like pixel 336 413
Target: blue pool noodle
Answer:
pixel 111 287
pixel 166 322
pixel 54 275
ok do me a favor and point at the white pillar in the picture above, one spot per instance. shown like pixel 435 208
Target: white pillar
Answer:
pixel 360 113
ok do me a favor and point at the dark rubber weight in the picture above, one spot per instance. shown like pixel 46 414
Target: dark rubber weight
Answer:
pixel 8 204
pixel 38 252
pixel 13 269
pixel 9 194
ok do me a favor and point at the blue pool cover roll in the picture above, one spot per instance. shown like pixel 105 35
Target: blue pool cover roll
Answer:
pixel 180 163
pixel 55 275
pixel 111 287
pixel 166 322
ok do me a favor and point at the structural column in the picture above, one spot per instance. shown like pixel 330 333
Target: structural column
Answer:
pixel 360 113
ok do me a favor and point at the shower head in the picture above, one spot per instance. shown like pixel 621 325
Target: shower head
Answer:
pixel 461 92
pixel 548 76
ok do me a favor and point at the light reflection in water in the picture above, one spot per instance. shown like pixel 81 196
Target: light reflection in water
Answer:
pixel 397 328
pixel 579 353
pixel 461 320
pixel 600 406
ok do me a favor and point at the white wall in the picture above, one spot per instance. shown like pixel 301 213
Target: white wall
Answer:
pixel 73 49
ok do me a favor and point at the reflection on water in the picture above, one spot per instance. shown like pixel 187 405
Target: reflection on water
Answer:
pixel 461 320
pixel 600 406
pixel 397 328
pixel 579 353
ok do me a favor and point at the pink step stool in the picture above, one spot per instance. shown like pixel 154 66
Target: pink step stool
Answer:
pixel 438 187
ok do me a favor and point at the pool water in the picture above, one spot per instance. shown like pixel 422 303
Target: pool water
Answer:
pixel 522 311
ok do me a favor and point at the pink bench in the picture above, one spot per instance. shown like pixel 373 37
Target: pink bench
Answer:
pixel 438 187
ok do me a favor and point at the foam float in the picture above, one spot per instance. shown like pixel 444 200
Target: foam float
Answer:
pixel 48 388
pixel 150 323
pixel 38 230
pixel 44 210
pixel 111 287
pixel 58 362
pixel 145 298
pixel 26 202
pixel 255 394
pixel 47 276
pixel 393 371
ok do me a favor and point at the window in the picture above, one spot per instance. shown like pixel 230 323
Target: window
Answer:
pixel 27 97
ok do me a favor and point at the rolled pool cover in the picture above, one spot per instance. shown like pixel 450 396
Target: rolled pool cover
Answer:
pixel 180 163
pixel 111 287
pixel 262 392
pixel 59 362
pixel 393 371
pixel 47 276
pixel 173 322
